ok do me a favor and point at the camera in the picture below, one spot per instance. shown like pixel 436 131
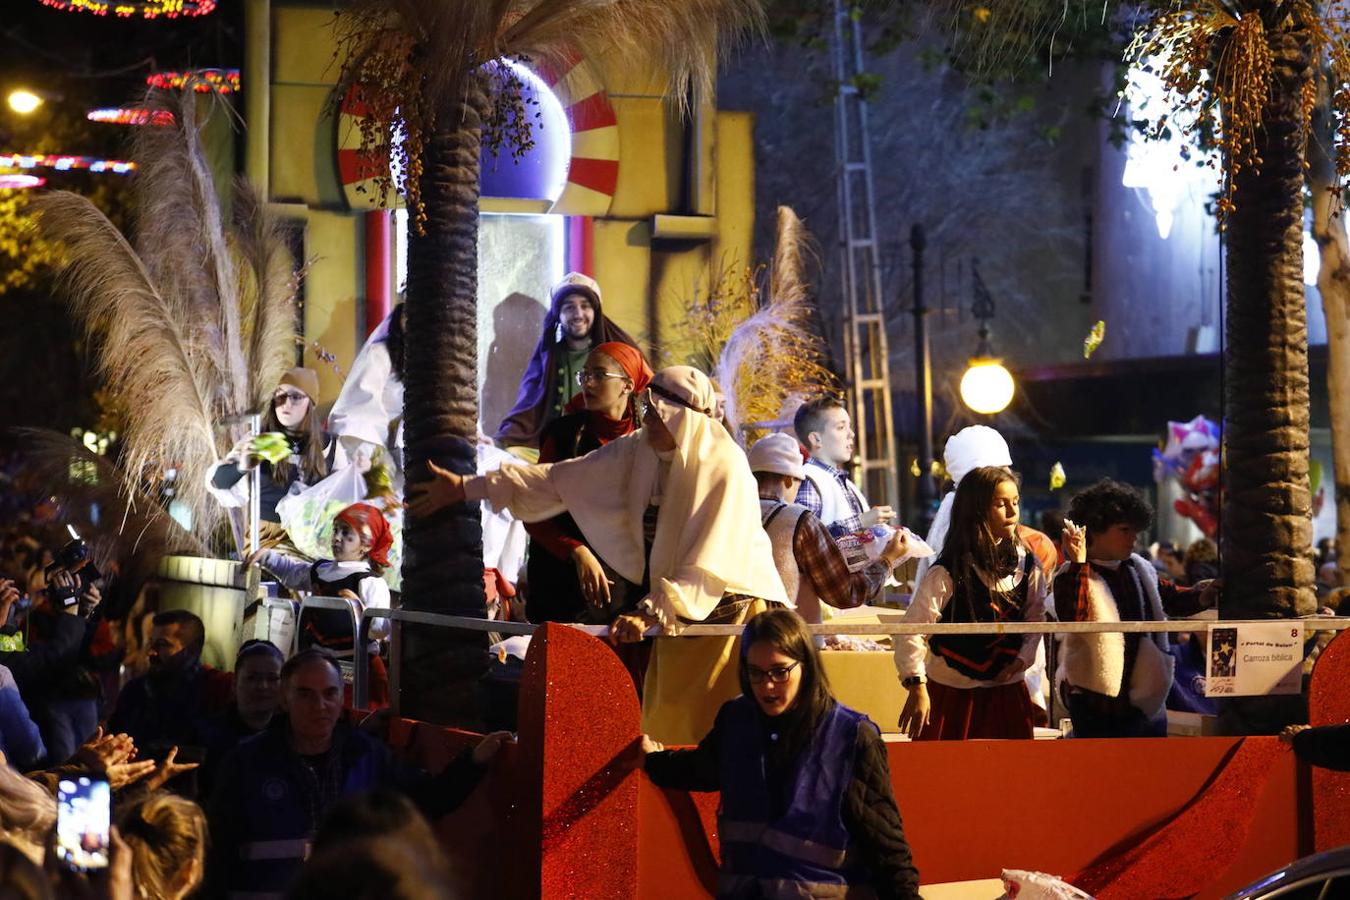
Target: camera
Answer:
pixel 74 558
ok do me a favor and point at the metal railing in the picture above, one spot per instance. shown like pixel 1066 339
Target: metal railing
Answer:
pixel 397 617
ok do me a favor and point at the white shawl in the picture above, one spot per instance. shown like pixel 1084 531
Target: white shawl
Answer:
pixel 709 540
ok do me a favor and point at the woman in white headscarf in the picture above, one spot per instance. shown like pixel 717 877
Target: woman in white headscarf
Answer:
pixel 673 507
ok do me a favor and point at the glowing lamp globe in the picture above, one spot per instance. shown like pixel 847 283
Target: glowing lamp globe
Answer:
pixel 987 387
pixel 23 102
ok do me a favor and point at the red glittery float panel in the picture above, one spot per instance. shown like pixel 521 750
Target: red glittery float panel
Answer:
pixel 1329 704
pixel 579 719
pixel 1185 854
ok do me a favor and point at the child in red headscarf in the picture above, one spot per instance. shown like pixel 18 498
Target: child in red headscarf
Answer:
pixel 361 542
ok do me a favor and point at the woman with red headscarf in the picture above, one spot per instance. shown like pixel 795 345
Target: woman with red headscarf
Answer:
pixel 568 583
pixel 361 542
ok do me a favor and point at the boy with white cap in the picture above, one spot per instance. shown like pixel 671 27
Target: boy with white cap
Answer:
pixel 810 563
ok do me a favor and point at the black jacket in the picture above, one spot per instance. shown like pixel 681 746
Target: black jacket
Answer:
pixel 43 663
pixel 1327 746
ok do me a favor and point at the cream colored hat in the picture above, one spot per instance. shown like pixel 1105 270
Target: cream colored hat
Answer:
pixel 777 453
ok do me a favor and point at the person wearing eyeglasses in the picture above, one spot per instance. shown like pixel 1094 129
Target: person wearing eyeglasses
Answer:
pixel 574 585
pixel 575 325
pixel 293 411
pixel 807 808
pixel 671 507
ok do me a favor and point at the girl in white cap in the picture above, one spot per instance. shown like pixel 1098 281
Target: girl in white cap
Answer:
pixel 673 507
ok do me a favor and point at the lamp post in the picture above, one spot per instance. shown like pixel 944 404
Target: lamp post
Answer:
pixel 986 387
pixel 923 361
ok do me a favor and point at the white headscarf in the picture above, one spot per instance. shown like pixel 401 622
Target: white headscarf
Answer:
pixel 970 448
pixel 709 540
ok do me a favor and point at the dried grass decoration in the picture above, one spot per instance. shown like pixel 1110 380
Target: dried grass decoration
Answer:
pixel 761 340
pixel 1216 64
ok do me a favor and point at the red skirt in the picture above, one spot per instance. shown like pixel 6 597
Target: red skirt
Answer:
pixel 959 714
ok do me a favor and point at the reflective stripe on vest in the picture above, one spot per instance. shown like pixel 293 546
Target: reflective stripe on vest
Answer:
pixel 283 849
pixel 786 889
pixel 780 842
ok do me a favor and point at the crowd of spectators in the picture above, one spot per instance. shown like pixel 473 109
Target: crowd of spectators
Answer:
pixel 204 766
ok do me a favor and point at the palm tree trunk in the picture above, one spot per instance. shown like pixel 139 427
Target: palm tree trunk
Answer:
pixel 1267 526
pixel 1333 283
pixel 443 554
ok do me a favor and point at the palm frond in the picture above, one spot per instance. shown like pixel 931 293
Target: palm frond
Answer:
pixel 145 355
pixel 681 39
pixel 178 218
pixel 268 285
pixel 127 531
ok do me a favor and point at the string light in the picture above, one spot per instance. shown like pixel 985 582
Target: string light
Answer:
pixel 130 116
pixel 65 163
pixel 203 81
pixel 16 182
pixel 146 9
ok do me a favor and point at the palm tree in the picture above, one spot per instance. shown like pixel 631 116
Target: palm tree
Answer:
pixel 1266 517
pixel 430 69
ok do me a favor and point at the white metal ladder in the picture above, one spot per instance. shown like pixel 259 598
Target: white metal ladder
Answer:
pixel 865 346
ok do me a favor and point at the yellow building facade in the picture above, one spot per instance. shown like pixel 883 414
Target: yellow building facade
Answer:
pixel 652 204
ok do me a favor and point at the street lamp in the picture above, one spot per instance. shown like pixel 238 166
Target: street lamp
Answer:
pixel 987 387
pixel 23 101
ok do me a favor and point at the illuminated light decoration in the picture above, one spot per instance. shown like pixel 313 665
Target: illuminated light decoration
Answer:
pixel 146 9
pixel 64 163
pixel 16 182
pixel 580 158
pixel 130 116
pixel 1172 177
pixel 1168 168
pixel 541 173
pixel 203 81
pixel 23 101
pixel 987 387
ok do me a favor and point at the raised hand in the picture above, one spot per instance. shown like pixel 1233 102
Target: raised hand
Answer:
pixel 1074 542
pixel 169 770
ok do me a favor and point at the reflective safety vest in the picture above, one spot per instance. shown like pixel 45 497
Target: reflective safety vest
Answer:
pixel 803 853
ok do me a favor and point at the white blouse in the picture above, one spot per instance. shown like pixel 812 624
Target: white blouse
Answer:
pixel 912 656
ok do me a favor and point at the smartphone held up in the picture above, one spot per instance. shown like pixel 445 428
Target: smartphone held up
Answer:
pixel 83 817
